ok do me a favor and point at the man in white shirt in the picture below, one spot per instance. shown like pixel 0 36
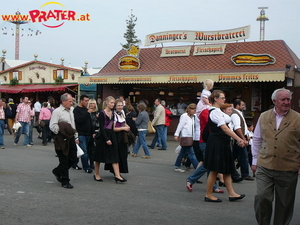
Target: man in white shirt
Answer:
pixel 240 128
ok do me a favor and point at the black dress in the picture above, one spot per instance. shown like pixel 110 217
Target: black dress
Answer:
pixel 106 153
pixel 122 149
pixel 218 156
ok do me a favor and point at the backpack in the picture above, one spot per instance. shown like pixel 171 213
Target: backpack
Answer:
pixel 206 131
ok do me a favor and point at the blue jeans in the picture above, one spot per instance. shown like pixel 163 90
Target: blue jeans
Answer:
pixel 30 131
pixel 160 133
pixel 2 123
pixel 141 141
pixel 23 130
pixel 186 150
pixel 83 144
pixel 242 155
pixel 200 171
pixel 165 130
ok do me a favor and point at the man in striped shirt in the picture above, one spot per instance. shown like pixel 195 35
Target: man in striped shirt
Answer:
pixel 23 117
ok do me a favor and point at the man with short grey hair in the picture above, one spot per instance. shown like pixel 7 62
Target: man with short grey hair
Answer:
pixel 276 160
pixel 62 124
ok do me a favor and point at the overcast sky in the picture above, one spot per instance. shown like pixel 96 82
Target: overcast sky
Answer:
pixel 98 40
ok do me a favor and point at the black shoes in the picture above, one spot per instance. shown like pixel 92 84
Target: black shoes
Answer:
pixel 161 149
pixel 249 178
pixel 237 180
pixel 119 180
pixel 89 171
pixel 58 178
pixel 150 146
pixel 232 199
pixel 100 180
pixel 221 184
pixel 211 200
pixel 76 167
pixel 68 186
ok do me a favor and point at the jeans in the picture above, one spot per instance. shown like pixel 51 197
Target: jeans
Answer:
pixel 165 130
pixel 186 150
pixel 31 123
pixel 159 133
pixel 141 141
pixel 23 130
pixel 45 131
pixel 83 144
pixel 242 155
pixel 200 171
pixel 2 123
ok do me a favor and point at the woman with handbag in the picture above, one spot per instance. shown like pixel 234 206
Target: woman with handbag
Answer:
pixel 186 131
pixel 142 125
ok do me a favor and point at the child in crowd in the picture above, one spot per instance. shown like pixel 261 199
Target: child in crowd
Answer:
pixel 203 103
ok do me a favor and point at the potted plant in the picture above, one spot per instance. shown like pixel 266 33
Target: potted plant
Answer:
pixel 59 80
pixel 14 82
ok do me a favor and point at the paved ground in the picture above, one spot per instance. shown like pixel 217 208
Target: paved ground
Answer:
pixel 154 193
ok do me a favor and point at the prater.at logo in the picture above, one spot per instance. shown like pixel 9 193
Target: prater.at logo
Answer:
pixel 51 18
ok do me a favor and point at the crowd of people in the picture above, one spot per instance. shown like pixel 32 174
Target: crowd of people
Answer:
pixel 214 137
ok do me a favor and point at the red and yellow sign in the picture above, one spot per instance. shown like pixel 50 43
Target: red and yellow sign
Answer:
pixel 252 59
pixel 130 61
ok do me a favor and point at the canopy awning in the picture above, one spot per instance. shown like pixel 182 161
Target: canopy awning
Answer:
pixel 34 88
pixel 184 78
pixel 46 87
pixel 12 89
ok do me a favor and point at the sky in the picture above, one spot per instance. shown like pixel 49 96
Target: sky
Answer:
pixel 96 41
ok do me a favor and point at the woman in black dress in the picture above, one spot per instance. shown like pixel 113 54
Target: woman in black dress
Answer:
pixel 107 149
pixel 218 157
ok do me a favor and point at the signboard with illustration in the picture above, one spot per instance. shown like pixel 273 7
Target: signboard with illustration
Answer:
pixel 131 60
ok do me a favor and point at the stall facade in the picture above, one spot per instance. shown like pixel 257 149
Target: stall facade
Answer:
pixel 34 77
pixel 174 76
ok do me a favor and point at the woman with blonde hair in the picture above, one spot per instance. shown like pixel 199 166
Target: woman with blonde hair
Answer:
pixel 185 128
pixel 107 149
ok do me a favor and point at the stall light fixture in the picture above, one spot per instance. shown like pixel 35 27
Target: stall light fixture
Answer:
pixel 199 93
pixel 171 94
pixel 131 93
pixel 137 93
pixel 161 93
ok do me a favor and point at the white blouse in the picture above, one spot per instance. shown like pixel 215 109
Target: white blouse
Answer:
pixel 218 117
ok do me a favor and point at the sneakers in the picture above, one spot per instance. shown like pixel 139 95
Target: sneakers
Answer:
pixel 76 167
pixel 2 147
pixel 249 178
pixel 133 155
pixel 218 190
pixel 189 186
pixel 15 144
pixel 179 170
pixel 89 171
pixel 28 145
pixel 146 157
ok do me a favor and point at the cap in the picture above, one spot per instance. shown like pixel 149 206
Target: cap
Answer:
pixel 10 100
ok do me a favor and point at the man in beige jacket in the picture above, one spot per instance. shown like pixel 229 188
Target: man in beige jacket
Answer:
pixel 276 160
pixel 159 122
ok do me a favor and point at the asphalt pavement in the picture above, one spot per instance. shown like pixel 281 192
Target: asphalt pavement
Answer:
pixel 153 194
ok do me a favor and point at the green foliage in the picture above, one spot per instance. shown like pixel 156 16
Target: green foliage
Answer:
pixel 59 80
pixel 14 82
pixel 130 36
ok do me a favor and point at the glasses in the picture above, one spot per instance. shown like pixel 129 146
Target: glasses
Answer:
pixel 222 98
